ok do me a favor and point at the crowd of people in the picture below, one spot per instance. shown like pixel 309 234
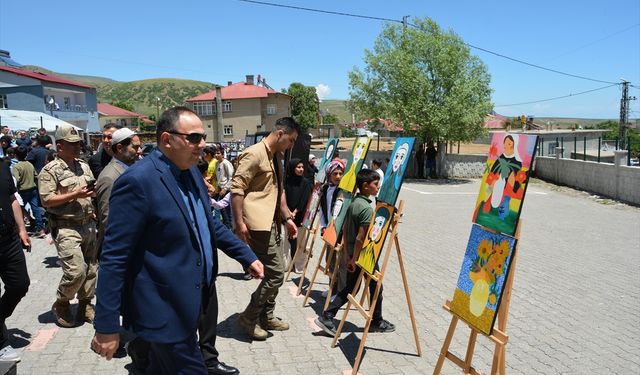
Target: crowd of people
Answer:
pixel 141 234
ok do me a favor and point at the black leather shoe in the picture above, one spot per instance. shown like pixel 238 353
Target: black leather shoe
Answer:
pixel 221 368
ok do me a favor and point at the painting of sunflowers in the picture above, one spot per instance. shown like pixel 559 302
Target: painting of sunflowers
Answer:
pixel 505 181
pixel 481 281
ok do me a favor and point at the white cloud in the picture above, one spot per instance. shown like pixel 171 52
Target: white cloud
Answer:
pixel 323 91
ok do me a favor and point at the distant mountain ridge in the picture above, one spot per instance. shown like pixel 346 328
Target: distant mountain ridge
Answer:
pixel 140 94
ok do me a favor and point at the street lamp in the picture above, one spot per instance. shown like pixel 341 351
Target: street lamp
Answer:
pixel 157 108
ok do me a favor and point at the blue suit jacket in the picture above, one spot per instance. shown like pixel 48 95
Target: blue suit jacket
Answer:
pixel 151 266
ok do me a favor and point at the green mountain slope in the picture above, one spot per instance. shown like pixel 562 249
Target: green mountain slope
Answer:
pixel 336 107
pixel 139 94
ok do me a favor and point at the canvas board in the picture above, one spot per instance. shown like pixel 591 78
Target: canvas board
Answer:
pixel 334 229
pixel 396 169
pixel 354 163
pixel 481 281
pixel 312 206
pixel 332 146
pixel 376 236
pixel 505 181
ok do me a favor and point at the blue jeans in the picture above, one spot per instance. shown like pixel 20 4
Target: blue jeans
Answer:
pixel 31 196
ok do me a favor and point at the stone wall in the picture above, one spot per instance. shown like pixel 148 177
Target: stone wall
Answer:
pixel 464 166
pixel 615 181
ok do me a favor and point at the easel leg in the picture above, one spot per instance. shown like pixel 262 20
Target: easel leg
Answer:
pixel 470 348
pixel 309 253
pixel 346 311
pixel 334 276
pixel 315 274
pixel 406 292
pixel 296 256
pixel 445 345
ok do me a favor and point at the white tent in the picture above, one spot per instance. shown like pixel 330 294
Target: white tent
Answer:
pixel 24 120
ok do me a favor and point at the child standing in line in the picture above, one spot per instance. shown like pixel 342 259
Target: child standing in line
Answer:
pixel 355 228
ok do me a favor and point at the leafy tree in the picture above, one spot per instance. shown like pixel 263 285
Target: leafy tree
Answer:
pixel 330 118
pixel 614 133
pixel 304 104
pixel 423 76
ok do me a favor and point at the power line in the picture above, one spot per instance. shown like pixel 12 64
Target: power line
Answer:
pixel 557 97
pixel 320 11
pixel 410 24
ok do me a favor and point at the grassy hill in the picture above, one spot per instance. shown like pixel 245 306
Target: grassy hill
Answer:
pixel 140 94
pixel 336 107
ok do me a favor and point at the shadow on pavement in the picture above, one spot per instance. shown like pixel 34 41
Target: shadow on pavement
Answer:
pixel 349 346
pixel 51 262
pixel 229 328
pixel 46 317
pixel 18 338
pixel 232 275
pixel 439 181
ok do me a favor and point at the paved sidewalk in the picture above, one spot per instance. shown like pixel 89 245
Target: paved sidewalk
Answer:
pixel 575 307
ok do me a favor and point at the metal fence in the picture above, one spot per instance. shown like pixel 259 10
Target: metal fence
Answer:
pixel 585 148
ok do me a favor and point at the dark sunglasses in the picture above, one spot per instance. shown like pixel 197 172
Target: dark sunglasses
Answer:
pixel 194 138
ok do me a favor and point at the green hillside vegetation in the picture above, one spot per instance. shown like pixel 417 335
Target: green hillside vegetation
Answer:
pixel 140 95
pixel 88 80
pixel 336 107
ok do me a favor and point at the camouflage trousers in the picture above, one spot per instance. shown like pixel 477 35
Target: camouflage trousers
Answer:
pixel 78 254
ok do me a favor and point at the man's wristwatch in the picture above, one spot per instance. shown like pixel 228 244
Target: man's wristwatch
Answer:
pixel 289 218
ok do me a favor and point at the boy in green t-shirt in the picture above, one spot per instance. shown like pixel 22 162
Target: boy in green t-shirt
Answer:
pixel 354 231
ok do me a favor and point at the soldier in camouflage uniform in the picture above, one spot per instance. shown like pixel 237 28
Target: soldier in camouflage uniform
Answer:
pixel 66 187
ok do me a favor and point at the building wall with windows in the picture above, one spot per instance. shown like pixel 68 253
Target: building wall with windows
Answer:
pixel 240 117
pixel 73 104
pixel 274 107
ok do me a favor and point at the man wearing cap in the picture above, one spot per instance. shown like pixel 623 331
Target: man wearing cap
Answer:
pixel 66 186
pixel 125 145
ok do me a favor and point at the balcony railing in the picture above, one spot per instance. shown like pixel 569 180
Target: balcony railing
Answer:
pixel 68 108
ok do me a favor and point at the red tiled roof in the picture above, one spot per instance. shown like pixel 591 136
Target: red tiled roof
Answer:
pixel 111 110
pixel 43 77
pixel 238 90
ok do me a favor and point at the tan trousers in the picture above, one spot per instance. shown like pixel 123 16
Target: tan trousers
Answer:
pixel 77 250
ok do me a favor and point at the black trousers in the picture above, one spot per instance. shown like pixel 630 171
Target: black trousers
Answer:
pixel 207 330
pixel 208 325
pixel 14 276
pixel 341 298
pixel 181 358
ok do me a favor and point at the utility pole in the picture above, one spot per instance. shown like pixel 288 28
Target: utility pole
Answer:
pixel 624 115
pixel 404 21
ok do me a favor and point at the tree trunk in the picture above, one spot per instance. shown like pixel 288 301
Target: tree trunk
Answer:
pixel 440 159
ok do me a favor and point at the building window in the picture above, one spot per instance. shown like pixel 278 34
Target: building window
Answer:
pixel 226 106
pixel 3 101
pixel 204 108
pixel 271 109
pixel 228 130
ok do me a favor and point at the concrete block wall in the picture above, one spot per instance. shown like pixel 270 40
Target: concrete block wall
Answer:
pixel 605 179
pixel 464 166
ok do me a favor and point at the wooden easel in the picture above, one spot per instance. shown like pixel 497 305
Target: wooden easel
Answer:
pixel 498 335
pixel 308 250
pixel 335 254
pixel 379 278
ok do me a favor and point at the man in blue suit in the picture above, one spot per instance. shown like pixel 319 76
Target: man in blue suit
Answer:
pixel 158 262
